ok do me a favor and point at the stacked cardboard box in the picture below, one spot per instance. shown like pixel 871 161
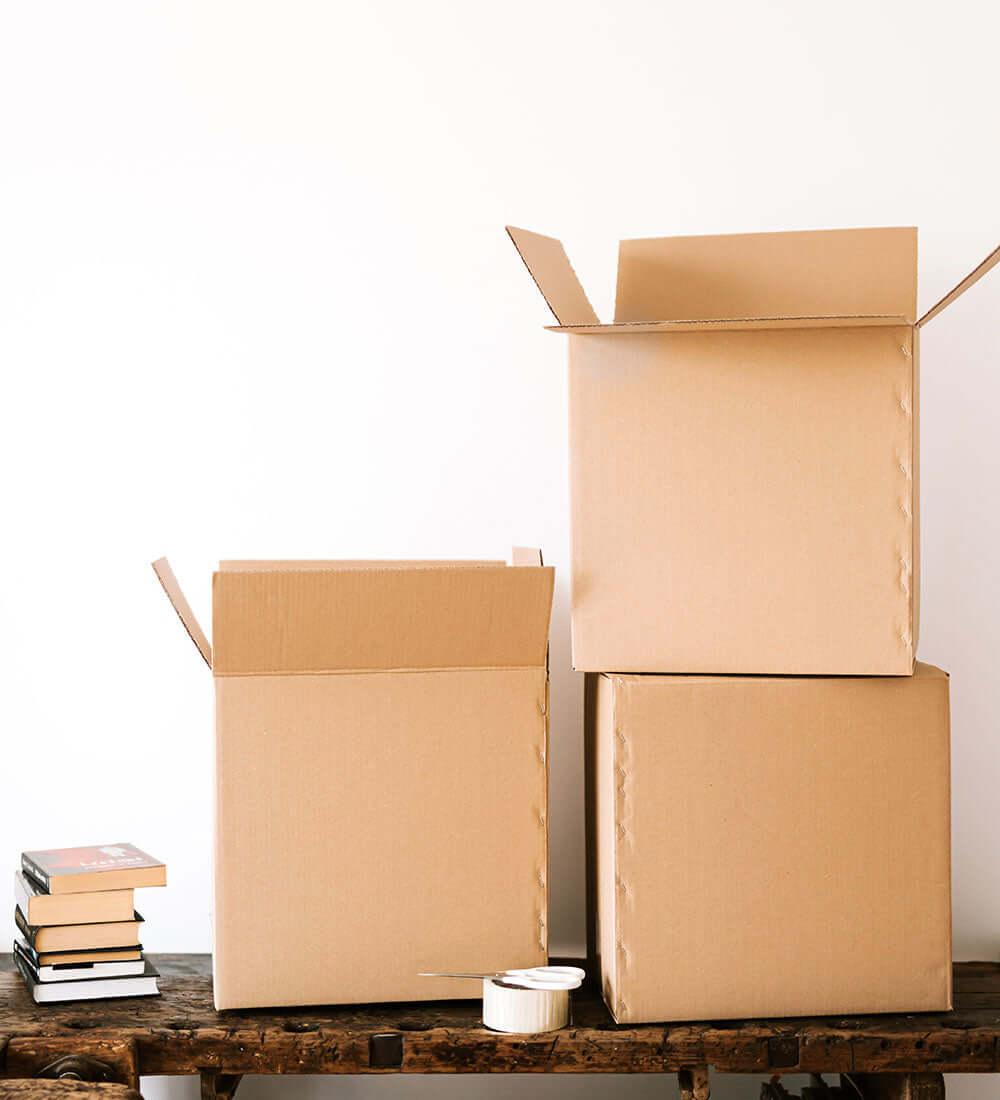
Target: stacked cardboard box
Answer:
pixel 382 776
pixel 768 768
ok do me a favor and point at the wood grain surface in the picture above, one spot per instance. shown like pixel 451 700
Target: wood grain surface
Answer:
pixel 180 1032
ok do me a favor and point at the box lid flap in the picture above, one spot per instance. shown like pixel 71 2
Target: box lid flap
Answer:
pixel 161 567
pixel 735 325
pixel 526 555
pixel 546 260
pixel 760 276
pixel 332 620
pixel 238 565
pixel 971 279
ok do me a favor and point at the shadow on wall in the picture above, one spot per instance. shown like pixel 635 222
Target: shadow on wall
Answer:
pixel 567 894
pixel 960 596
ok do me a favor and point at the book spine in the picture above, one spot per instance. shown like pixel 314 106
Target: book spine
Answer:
pixel 31 868
pixel 28 951
pixel 21 954
pixel 26 929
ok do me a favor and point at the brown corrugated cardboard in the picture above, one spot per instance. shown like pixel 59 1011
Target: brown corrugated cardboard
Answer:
pixel 846 273
pixel 381 736
pixel 744 452
pixel 770 846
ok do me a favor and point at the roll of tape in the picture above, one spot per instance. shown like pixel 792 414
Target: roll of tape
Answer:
pixel 521 1011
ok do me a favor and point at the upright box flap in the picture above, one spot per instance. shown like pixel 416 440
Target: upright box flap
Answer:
pixel 161 567
pixel 811 274
pixel 971 279
pixel 365 619
pixel 546 260
pixel 300 565
pixel 526 555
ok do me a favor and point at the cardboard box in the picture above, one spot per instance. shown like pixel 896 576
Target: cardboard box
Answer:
pixel 381 734
pixel 744 481
pixel 769 846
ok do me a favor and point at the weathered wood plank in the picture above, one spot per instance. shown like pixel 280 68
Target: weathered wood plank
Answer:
pixel 40 1088
pixel 96 1058
pixel 181 1032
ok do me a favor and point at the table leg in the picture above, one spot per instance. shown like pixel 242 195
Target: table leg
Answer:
pixel 219 1086
pixel 899 1086
pixel 693 1083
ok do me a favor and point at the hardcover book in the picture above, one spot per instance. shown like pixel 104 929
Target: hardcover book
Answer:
pixel 81 870
pixel 140 985
pixel 79 937
pixel 79 958
pixel 76 971
pixel 42 908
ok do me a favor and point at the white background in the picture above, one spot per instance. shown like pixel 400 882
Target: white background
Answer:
pixel 256 301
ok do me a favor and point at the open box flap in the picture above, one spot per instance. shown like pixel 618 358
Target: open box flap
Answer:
pixel 287 621
pixel 835 273
pixel 302 566
pixel 526 555
pixel 161 567
pixel 972 278
pixel 546 260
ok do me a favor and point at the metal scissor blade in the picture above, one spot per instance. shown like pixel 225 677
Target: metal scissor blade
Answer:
pixel 429 974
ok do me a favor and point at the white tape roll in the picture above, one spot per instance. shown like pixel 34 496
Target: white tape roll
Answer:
pixel 523 1011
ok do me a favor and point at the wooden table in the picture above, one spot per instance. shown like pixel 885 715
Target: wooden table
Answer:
pixel 64 1088
pixel 877 1057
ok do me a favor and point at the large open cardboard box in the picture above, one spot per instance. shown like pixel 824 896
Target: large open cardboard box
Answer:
pixel 381 735
pixel 769 846
pixel 744 452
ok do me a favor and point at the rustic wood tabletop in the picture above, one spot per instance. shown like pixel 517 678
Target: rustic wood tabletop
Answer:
pixel 180 1032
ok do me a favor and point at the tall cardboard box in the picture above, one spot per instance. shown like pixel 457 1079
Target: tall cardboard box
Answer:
pixel 381 810
pixel 744 458
pixel 770 846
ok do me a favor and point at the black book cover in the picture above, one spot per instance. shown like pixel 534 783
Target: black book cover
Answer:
pixel 22 956
pixel 28 931
pixel 29 979
pixel 33 871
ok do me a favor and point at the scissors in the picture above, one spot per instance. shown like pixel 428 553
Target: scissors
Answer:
pixel 532 977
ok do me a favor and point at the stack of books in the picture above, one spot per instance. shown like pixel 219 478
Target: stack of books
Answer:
pixel 77 935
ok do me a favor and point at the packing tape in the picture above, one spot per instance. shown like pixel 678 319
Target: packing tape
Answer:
pixel 522 1011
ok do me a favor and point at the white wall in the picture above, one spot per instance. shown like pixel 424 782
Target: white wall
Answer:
pixel 256 300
